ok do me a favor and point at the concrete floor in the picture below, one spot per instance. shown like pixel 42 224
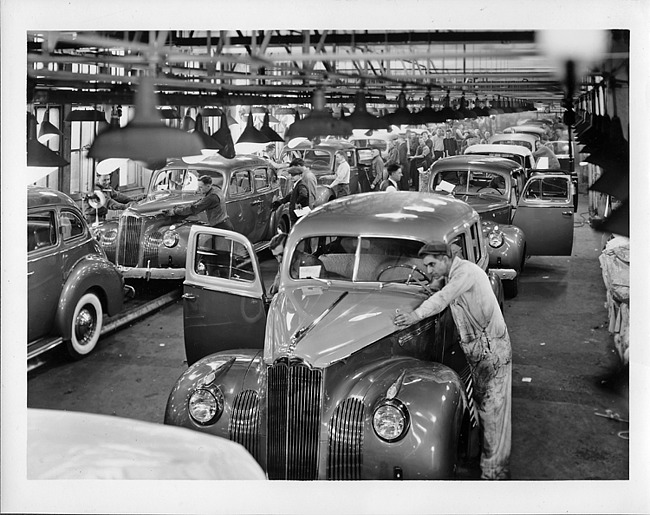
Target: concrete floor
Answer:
pixel 565 370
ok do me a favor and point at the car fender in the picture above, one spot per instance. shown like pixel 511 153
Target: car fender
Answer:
pixel 511 253
pixel 435 400
pixel 89 273
pixel 324 194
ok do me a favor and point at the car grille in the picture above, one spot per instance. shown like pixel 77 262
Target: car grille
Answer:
pixel 346 441
pixel 244 422
pixel 294 407
pixel 129 234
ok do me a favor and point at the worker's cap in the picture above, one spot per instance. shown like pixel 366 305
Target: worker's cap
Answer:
pixel 435 248
pixel 205 179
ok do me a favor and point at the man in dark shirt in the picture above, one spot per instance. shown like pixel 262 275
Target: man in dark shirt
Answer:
pixel 450 144
pixel 212 203
pixel 114 200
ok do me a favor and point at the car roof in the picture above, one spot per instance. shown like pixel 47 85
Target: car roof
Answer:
pixel 475 162
pixel 38 196
pixel 520 136
pixel 418 215
pixel 535 129
pixel 221 163
pixel 506 149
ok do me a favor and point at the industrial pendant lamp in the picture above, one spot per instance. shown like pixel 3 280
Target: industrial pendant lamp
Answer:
pixel 207 141
pixel 48 130
pixel 361 118
pixel 251 134
pixel 480 111
pixel 223 136
pixel 86 115
pixel 428 114
pixel 188 124
pixel 463 112
pixel 37 153
pixel 401 115
pixel 318 122
pixel 169 113
pixel 447 112
pixel 145 138
pixel 267 131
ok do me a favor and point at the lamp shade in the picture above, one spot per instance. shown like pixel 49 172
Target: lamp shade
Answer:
pixel 223 136
pixel 37 153
pixel 318 122
pixel 85 115
pixel 211 111
pixel 267 131
pixel 251 134
pixel 447 112
pixel 401 115
pixel 188 123
pixel 428 114
pixel 207 141
pixel 145 137
pixel 361 118
pixel 48 130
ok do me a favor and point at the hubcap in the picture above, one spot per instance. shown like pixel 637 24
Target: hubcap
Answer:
pixel 84 326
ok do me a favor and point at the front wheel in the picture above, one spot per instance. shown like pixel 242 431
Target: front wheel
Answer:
pixel 85 326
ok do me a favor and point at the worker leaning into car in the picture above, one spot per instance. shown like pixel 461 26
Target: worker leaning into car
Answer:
pixel 300 259
pixel 114 199
pixel 212 203
pixel 485 341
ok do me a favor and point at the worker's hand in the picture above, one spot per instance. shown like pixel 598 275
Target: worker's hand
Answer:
pixel 405 319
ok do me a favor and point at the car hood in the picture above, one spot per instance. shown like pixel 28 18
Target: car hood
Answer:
pixel 153 205
pixel 322 325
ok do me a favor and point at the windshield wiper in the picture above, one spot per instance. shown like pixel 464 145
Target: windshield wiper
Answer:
pixel 300 333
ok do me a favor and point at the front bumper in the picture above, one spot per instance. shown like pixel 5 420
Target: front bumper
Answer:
pixel 151 273
pixel 505 274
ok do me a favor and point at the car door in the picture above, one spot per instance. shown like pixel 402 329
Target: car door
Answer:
pixel 261 202
pixel 545 214
pixel 224 302
pixel 44 272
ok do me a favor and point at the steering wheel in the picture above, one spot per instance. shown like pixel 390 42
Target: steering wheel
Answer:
pixel 410 277
pixel 490 188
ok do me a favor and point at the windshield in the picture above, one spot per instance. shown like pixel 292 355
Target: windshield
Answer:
pixel 316 158
pixel 181 180
pixel 521 143
pixel 467 182
pixel 357 259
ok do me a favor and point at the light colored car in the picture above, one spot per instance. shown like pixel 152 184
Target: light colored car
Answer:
pixel 321 384
pixel 77 445
pixel 71 283
pixel 517 153
pixel 520 218
pixel 534 130
pixel 146 243
pixel 515 138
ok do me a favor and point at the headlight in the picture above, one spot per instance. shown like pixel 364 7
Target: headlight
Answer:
pixel 108 238
pixel 170 238
pixel 495 238
pixel 205 405
pixel 390 421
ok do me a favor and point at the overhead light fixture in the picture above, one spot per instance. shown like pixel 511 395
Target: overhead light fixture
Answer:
pixel 495 108
pixel 37 153
pixel 447 112
pixel 86 115
pixel 224 138
pixel 462 110
pixel 480 111
pixel 48 130
pixel 428 114
pixel 318 122
pixel 188 123
pixel 145 138
pixel 169 113
pixel 207 141
pixel 211 111
pixel 361 118
pixel 267 131
pixel 251 134
pixel 401 115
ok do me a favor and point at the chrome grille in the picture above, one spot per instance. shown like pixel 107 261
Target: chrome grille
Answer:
pixel 346 441
pixel 129 234
pixel 294 406
pixel 150 246
pixel 244 422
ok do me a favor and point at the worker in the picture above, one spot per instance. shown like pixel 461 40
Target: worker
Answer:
pixel 485 341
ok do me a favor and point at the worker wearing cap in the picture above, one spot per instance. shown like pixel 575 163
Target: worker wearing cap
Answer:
pixel 485 341
pixel 114 199
pixel 212 203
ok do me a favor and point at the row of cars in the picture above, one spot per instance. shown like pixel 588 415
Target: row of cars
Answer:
pixel 316 382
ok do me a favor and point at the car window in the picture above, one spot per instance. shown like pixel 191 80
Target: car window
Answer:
pixel 181 179
pixel 471 183
pixel 261 179
pixel 41 231
pixel 547 188
pixel 240 182
pixel 354 258
pixel 475 232
pixel 459 246
pixel 71 225
pixel 219 256
pixel 318 158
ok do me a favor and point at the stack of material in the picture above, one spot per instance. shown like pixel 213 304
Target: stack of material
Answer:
pixel 615 264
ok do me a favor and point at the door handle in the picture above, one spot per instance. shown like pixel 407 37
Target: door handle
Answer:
pixel 30 273
pixel 567 213
pixel 189 296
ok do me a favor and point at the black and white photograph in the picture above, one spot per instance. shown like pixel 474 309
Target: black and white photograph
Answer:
pixel 355 257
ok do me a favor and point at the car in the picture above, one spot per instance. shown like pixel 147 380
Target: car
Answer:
pixel 515 138
pixel 533 129
pixel 565 155
pixel 318 382
pixel 518 153
pixel 145 243
pixel 71 283
pixel 520 217
pixel 79 445
pixel 319 158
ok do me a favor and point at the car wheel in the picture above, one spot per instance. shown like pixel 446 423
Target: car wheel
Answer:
pixel 86 325
pixel 511 287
